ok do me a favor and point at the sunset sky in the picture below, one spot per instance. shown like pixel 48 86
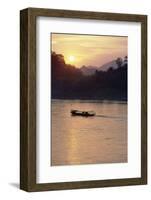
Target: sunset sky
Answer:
pixel 89 50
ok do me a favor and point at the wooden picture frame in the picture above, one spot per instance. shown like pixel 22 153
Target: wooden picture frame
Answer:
pixel 28 98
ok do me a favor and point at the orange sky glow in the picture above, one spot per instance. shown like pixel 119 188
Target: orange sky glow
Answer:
pixel 89 50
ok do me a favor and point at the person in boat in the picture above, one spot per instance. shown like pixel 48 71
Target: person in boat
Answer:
pixel 82 113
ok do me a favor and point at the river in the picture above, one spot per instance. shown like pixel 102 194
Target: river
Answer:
pixel 88 140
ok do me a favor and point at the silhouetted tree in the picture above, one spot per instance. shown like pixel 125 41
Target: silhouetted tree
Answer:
pixel 110 69
pixel 119 62
pixel 68 82
pixel 61 70
pixel 125 58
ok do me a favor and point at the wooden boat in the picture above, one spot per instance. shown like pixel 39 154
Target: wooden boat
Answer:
pixel 82 113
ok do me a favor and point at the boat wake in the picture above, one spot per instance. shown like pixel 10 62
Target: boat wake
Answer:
pixel 110 117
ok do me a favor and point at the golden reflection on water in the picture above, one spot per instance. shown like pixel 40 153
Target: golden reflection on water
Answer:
pixel 91 140
pixel 73 146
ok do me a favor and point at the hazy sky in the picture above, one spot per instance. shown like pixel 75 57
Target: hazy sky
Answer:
pixel 88 50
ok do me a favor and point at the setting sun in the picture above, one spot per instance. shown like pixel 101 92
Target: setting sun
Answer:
pixel 89 50
pixel 71 58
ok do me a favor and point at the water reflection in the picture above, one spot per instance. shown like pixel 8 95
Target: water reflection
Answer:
pixel 81 140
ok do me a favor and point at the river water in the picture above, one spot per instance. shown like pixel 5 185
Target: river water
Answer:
pixel 88 140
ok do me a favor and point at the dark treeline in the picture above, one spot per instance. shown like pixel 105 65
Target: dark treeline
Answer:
pixel 68 82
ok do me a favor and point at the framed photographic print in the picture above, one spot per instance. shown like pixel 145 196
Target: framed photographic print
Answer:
pixel 83 99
